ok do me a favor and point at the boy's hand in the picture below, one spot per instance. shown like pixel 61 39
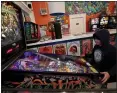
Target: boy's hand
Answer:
pixel 106 77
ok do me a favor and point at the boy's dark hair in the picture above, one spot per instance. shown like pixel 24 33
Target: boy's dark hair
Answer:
pixel 95 36
pixel 104 36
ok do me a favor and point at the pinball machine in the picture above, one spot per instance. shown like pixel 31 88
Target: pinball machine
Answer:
pixel 37 71
pixel 24 69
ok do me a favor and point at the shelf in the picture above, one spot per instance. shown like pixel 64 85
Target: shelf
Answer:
pixel 23 6
pixel 89 34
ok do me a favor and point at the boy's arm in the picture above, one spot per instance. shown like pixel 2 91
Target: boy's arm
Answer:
pixel 113 70
pixel 89 57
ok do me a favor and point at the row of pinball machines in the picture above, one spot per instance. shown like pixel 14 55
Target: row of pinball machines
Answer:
pixel 26 71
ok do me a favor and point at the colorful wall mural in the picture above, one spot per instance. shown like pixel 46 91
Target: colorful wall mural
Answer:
pixel 93 9
pixel 88 7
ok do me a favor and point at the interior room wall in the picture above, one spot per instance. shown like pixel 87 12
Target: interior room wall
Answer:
pixel 92 9
pixel 42 20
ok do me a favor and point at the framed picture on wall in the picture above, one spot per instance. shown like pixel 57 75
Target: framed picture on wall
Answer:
pixel 46 49
pixel 43 11
pixel 112 24
pixel 113 39
pixel 73 48
pixel 77 24
pixel 60 49
pixel 86 46
pixel 94 24
pixel 104 20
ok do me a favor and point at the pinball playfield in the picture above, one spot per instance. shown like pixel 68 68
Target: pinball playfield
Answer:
pixel 38 71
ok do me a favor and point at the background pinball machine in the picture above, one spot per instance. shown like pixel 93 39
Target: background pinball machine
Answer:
pixel 26 70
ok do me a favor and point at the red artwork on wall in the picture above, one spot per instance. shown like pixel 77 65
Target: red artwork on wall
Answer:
pixel 112 39
pixel 86 47
pixel 46 49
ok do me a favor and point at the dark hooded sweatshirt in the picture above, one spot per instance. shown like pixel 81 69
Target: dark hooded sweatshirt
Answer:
pixel 104 56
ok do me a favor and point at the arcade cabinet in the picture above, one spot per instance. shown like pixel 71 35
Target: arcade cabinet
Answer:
pixel 26 70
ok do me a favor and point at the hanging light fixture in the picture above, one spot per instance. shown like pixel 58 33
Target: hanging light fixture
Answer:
pixel 56 8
